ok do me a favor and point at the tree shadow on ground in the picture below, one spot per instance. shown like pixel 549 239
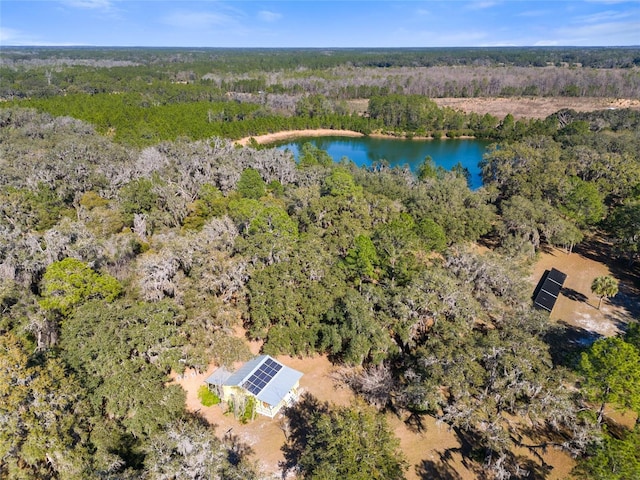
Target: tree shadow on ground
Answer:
pixel 628 298
pixel 298 420
pixel 574 295
pixel 550 437
pixel 596 249
pixel 546 248
pixel 440 469
pixel 620 322
pixel 236 449
pixel 415 422
pixel 529 469
pixel 475 456
pixel 566 341
pixel 613 428
pixel 628 276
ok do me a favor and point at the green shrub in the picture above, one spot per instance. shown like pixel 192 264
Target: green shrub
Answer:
pixel 207 397
pixel 249 412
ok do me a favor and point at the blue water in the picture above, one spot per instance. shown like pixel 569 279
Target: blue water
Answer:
pixel 365 151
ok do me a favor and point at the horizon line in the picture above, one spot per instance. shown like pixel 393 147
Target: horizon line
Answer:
pixel 315 47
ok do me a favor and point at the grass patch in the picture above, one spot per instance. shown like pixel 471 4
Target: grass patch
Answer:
pixel 207 397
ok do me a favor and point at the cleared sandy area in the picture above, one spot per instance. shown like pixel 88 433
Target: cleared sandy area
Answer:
pixel 520 107
pixel 264 436
pixel 433 451
pixel 577 306
pixel 434 448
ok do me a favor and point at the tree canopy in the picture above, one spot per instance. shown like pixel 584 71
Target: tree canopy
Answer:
pixel 137 246
pixel 327 442
pixel 604 286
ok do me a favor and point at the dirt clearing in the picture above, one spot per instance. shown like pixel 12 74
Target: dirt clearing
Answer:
pixel 577 306
pixel 433 451
pixel 534 107
pixel 520 107
pixel 264 436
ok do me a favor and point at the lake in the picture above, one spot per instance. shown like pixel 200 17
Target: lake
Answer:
pixel 365 151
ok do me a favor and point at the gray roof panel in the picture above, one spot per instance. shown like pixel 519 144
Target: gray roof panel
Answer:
pixel 279 386
pixel 557 276
pixel 239 377
pixel 218 377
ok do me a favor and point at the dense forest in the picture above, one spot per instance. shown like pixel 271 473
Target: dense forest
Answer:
pixel 132 248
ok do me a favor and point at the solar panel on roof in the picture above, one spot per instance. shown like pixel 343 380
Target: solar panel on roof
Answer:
pixel 546 301
pixel 557 276
pixel 254 389
pixel 549 289
pixel 262 376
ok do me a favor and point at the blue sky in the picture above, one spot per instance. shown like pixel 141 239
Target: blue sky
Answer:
pixel 307 23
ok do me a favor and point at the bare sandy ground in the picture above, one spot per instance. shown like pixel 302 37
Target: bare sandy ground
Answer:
pixel 432 450
pixel 580 308
pixel 577 306
pixel 265 436
pixel 520 107
pixel 434 444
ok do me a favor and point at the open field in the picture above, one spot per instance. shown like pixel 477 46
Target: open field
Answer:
pixel 534 107
pixel 521 107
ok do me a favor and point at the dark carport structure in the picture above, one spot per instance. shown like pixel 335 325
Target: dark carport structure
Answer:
pixel 548 289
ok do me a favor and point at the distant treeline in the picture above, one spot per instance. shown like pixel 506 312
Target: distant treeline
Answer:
pixel 144 96
pixel 272 59
pixel 279 75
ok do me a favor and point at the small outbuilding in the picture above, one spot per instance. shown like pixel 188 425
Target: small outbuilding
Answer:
pixel 273 384
pixel 549 289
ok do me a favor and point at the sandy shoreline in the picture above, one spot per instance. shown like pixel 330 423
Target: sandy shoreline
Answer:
pixel 325 132
pixel 288 134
